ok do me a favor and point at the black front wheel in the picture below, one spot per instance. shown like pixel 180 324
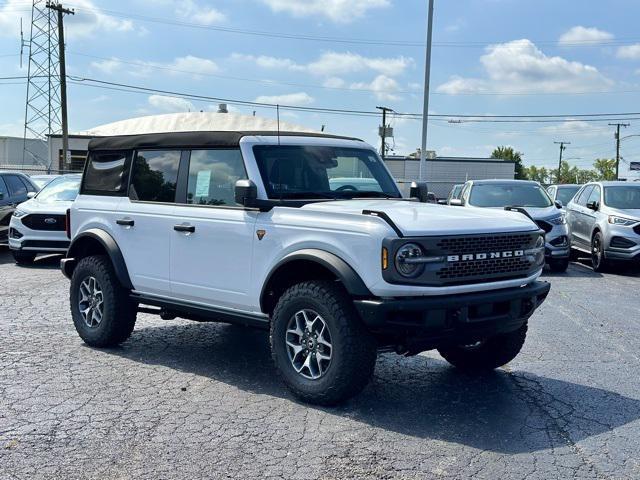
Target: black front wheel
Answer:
pixel 322 351
pixel 598 261
pixel 559 265
pixel 23 258
pixel 103 313
pixel 486 354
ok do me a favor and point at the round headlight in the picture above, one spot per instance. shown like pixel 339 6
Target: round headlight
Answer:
pixel 404 265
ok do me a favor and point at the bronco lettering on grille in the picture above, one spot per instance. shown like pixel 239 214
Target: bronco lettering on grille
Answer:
pixel 484 256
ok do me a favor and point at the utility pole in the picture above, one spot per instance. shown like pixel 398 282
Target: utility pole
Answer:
pixel 427 76
pixel 617 137
pixel 384 131
pixel 562 148
pixel 66 155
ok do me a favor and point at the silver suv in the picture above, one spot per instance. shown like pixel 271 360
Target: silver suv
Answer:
pixel 527 197
pixel 604 221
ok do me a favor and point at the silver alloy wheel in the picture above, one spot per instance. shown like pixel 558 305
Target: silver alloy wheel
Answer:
pixel 91 303
pixel 309 344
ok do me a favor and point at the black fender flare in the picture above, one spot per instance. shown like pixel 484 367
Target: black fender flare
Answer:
pixel 336 265
pixel 109 245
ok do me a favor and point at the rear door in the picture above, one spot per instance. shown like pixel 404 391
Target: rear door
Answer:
pixel 578 217
pixel 6 210
pixel 212 237
pixel 145 219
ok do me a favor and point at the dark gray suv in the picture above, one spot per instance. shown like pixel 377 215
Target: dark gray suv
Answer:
pixel 14 189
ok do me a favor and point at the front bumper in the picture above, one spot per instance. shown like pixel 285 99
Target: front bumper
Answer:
pixel 456 318
pixel 24 238
pixel 557 245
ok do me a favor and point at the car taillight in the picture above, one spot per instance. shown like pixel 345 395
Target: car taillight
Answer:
pixel 67 223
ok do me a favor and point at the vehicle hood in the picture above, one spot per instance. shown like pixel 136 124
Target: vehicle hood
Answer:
pixel 421 219
pixel 632 213
pixel 35 206
pixel 535 212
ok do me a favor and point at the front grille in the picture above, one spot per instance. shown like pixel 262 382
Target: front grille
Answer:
pixel 546 226
pixel 40 221
pixel 487 243
pixel 474 268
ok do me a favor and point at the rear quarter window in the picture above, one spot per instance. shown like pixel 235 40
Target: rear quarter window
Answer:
pixel 106 173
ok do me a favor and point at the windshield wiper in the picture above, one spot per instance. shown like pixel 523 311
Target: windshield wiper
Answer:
pixel 366 194
pixel 305 195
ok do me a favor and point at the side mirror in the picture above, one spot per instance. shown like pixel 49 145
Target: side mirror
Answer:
pixel 420 191
pixel 246 193
pixel 593 206
pixel 30 195
pixel 456 202
pixel 558 204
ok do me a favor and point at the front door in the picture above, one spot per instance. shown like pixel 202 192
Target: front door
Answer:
pixel 212 238
pixel 6 210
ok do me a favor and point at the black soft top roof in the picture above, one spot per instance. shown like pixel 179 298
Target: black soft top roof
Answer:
pixel 190 139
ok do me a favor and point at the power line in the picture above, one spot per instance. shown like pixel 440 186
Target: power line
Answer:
pixel 347 40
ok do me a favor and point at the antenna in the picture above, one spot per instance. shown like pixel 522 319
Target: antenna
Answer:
pixel 278 117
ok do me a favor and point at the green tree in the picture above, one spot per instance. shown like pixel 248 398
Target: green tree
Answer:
pixel 538 174
pixel 508 153
pixel 605 168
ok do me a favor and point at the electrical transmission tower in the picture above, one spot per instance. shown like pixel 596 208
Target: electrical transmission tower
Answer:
pixel 43 107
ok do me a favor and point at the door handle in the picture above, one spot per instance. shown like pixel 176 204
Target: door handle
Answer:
pixel 125 222
pixel 184 228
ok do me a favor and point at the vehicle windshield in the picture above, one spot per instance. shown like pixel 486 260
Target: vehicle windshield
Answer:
pixel 41 181
pixel 61 189
pixel 298 172
pixel 565 194
pixel 624 197
pixel 509 195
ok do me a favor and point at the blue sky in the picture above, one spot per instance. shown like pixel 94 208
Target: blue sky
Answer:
pixel 489 57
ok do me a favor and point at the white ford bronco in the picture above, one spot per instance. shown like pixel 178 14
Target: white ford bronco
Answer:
pixel 306 235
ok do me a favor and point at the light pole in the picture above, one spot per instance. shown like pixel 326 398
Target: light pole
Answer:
pixel 427 76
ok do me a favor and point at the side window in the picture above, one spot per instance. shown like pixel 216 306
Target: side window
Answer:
pixel 16 186
pixel 213 175
pixel 106 173
pixel 552 192
pixel 155 176
pixel 595 195
pixel 28 184
pixel 581 198
pixel 4 193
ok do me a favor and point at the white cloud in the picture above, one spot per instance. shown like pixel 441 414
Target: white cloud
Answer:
pixel 629 52
pixel 109 66
pixel 339 11
pixel 188 64
pixel 572 127
pixel 334 82
pixel 383 87
pixel 170 104
pixel 190 10
pixel 195 65
pixel 520 67
pixel 581 35
pixel 300 99
pixel 333 63
pixel 88 19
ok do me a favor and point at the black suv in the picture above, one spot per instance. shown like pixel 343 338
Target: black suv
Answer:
pixel 14 189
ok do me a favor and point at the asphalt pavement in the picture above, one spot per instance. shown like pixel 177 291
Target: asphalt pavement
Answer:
pixel 187 400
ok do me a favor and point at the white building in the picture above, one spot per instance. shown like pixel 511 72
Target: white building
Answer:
pixel 11 154
pixel 442 173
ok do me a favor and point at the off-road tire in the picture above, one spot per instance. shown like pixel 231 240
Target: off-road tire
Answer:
pixel 23 258
pixel 559 265
pixel 354 349
pixel 492 353
pixel 119 312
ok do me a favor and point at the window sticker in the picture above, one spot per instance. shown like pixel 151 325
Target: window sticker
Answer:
pixel 202 183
